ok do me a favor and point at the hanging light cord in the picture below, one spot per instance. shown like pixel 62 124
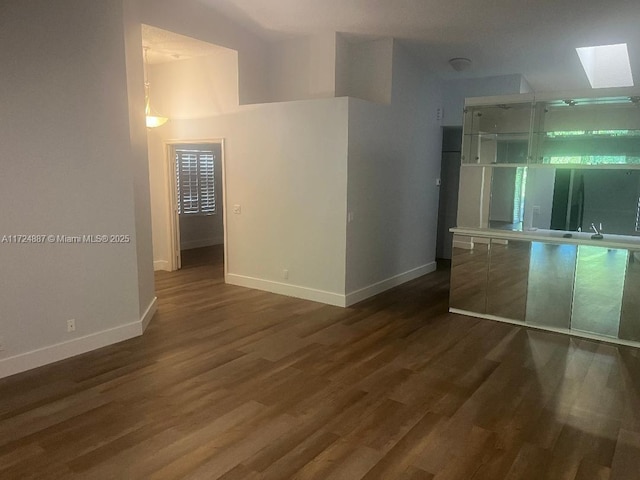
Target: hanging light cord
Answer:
pixel 152 120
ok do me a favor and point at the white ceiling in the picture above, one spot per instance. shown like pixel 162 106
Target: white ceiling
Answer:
pixel 536 38
pixel 164 46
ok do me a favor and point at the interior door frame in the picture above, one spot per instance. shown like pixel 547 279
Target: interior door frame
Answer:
pixel 172 213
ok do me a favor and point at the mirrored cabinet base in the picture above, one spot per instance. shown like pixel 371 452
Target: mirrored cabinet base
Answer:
pixel 582 290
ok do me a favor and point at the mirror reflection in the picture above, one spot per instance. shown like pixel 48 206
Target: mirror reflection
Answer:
pixel 507 202
pixel 568 199
pixel 604 131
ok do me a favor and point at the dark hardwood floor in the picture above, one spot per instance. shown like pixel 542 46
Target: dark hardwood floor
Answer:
pixel 205 256
pixel 234 383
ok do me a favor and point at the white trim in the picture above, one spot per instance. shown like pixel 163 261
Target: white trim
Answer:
pixel 76 346
pixel 379 287
pixel 551 96
pixel 60 351
pixel 564 331
pixel 174 221
pixel 297 291
pixel 501 99
pixel 549 236
pixel 149 313
pixel 225 239
pixel 161 265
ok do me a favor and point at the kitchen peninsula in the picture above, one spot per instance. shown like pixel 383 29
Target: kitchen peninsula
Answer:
pixel 541 177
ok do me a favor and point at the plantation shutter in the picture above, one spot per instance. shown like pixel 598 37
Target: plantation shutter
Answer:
pixel 195 181
pixel 518 198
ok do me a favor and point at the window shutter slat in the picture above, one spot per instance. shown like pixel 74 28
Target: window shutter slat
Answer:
pixel 195 181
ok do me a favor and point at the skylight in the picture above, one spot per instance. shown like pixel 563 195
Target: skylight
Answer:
pixel 606 65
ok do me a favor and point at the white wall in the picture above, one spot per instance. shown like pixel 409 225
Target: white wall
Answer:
pixel 139 159
pixel 192 18
pixel 455 91
pixel 195 87
pixel 159 192
pixel 524 86
pixel 70 167
pixel 198 231
pixel 303 68
pixel 286 167
pixel 394 160
pixel 472 187
pixel 364 69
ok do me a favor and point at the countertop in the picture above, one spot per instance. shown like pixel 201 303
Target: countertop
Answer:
pixel 552 236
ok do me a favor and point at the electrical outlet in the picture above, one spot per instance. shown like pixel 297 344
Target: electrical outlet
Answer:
pixel 237 209
pixel 349 217
pixel 71 325
pixel 285 274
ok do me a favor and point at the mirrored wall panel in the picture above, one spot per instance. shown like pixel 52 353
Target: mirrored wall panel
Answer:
pixel 507 279
pixel 568 199
pixel 573 199
pixel 550 286
pixel 474 195
pixel 469 267
pixel 597 297
pixel 507 198
pixel 630 314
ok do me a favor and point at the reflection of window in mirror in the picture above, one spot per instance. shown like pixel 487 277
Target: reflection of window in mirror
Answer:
pixel 591 147
pixel 508 190
pixel 590 131
pixel 518 198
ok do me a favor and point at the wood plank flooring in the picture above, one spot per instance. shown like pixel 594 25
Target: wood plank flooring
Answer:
pixel 233 383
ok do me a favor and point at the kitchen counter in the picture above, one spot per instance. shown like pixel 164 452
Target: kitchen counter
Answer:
pixel 540 279
pixel 552 236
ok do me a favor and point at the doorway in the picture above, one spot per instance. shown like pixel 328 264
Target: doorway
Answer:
pixel 196 171
pixel 450 178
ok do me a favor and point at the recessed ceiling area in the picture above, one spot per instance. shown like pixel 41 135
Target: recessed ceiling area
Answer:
pixel 165 46
pixel 534 38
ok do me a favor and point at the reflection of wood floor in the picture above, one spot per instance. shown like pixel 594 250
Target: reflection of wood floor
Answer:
pixel 234 383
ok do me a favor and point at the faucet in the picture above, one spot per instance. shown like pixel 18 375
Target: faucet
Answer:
pixel 598 232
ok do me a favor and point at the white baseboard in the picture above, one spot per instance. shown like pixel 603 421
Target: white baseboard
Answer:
pixel 60 351
pixel 203 242
pixel 379 287
pixel 149 313
pixel 161 265
pixel 306 293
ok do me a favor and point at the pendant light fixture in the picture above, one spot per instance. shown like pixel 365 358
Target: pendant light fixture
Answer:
pixel 153 120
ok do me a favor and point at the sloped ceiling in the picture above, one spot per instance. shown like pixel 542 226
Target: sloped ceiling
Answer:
pixel 164 46
pixel 536 38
